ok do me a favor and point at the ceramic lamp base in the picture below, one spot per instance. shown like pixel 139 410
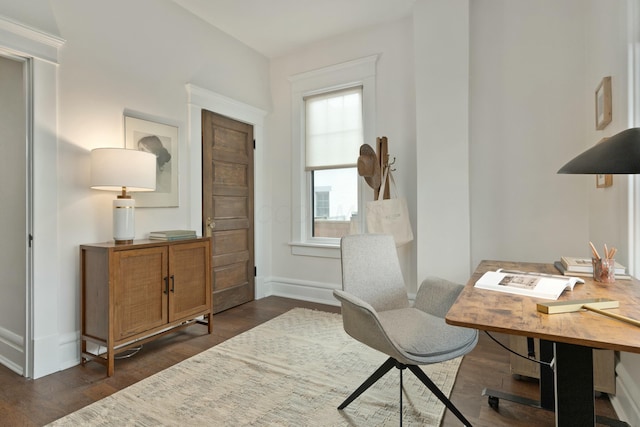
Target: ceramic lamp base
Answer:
pixel 124 220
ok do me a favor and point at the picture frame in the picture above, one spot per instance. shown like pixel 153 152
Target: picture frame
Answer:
pixel 604 180
pixel 603 103
pixel 146 133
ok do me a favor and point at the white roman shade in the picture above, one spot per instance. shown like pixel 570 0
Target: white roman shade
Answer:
pixel 333 129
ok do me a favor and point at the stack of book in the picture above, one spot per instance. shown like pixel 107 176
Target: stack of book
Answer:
pixel 172 235
pixel 574 266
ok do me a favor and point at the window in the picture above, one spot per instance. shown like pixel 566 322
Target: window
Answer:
pixel 333 113
pixel 322 208
pixel 333 135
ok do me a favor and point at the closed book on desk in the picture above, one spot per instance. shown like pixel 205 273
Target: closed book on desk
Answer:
pixel 172 235
pixel 526 284
pixel 584 265
pixel 562 269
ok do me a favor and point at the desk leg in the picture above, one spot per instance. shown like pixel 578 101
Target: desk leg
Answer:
pixel 547 385
pixel 568 387
pixel 547 380
pixel 575 405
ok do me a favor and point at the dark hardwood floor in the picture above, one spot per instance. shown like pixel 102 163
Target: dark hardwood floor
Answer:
pixel 26 402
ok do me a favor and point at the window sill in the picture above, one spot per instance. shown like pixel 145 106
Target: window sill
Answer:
pixel 320 250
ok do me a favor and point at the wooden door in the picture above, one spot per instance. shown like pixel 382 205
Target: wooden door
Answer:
pixel 189 280
pixel 140 291
pixel 227 207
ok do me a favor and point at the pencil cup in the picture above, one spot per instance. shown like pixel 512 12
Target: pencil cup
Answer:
pixel 604 270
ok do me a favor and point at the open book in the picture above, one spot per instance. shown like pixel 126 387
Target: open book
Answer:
pixel 536 285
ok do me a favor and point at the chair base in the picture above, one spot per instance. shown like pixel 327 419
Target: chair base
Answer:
pixel 386 367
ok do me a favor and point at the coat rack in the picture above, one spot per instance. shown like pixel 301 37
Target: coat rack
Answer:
pixel 371 165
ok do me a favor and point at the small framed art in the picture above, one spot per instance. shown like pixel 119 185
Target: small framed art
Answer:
pixel 603 103
pixel 147 134
pixel 604 180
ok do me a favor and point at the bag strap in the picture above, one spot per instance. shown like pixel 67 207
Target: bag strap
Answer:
pixel 393 185
pixel 384 183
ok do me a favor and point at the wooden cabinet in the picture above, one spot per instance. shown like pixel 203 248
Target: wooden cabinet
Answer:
pixel 137 292
pixel 604 379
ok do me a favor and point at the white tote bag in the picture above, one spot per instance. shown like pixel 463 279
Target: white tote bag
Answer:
pixel 389 216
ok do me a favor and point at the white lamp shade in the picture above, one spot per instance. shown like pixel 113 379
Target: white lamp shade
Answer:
pixel 115 168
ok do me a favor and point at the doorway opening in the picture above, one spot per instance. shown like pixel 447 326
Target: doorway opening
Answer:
pixel 16 262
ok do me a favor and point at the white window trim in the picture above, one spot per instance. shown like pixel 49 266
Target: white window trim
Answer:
pixel 357 72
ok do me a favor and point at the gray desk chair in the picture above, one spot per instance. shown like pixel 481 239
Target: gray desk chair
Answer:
pixel 376 311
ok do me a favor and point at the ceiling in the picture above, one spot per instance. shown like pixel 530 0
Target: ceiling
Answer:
pixel 275 27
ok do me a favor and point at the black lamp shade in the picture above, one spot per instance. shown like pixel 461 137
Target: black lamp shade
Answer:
pixel 620 154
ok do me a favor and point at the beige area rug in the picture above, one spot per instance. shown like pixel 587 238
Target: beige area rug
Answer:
pixel 291 371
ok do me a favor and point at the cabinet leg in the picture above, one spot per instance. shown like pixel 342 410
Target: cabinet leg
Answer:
pixel 110 362
pixel 209 323
pixel 83 351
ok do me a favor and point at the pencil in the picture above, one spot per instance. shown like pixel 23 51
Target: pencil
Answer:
pixel 596 255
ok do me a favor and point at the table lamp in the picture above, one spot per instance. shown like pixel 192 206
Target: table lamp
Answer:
pixel 120 169
pixel 620 154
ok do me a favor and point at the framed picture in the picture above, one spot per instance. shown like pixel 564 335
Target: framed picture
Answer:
pixel 604 180
pixel 603 103
pixel 161 139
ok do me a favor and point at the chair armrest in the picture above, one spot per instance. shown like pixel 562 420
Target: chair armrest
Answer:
pixel 345 297
pixel 436 296
pixel 361 322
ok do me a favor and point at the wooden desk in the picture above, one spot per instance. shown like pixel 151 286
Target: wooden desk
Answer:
pixel 572 336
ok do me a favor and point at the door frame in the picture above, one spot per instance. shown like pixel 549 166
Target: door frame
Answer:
pixel 42 344
pixel 199 99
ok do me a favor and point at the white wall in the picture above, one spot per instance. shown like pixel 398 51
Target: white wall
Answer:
pixel 607 55
pixel 395 119
pixel 499 85
pixel 611 37
pixel 141 64
pixel 534 70
pixel 441 57
pixel 34 13
pixel 528 111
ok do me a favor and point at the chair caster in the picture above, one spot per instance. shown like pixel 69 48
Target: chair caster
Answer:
pixel 494 402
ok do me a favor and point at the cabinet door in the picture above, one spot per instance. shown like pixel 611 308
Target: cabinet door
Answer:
pixel 140 294
pixel 190 280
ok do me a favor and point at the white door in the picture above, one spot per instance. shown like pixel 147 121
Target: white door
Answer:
pixel 14 196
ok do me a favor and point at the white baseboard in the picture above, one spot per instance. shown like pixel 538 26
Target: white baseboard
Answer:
pixel 67 355
pixel 14 365
pixel 12 351
pixel 625 401
pixel 305 290
pixel 45 354
pixel 18 369
pixel 69 350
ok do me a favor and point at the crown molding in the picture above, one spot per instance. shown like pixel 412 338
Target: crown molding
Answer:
pixel 24 40
pixel 223 104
